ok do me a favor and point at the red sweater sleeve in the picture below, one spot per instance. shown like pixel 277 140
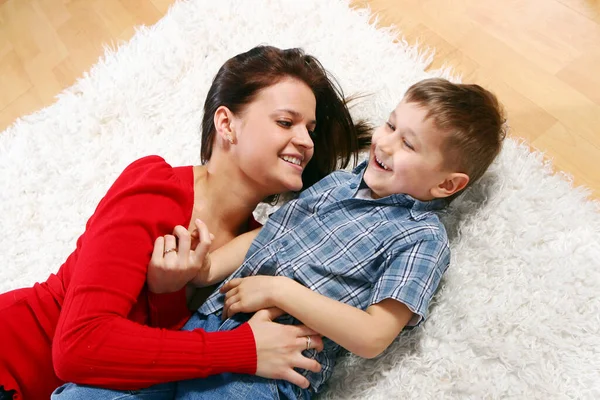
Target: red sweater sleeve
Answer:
pixel 95 343
pixel 168 310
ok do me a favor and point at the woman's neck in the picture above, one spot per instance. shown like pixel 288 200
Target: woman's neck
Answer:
pixel 222 199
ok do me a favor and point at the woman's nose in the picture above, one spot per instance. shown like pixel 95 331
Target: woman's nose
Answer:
pixel 302 138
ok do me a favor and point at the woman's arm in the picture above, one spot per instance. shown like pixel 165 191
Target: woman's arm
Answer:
pixel 364 333
pixel 95 342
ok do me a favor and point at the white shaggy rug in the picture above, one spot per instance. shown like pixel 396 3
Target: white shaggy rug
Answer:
pixel 518 314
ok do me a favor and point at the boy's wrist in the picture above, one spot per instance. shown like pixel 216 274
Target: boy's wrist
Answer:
pixel 280 288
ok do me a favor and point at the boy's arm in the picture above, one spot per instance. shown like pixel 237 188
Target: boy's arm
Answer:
pixel 364 333
pixel 411 275
pixel 225 260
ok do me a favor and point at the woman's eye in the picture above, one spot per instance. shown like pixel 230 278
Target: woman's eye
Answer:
pixel 285 124
pixel 392 127
pixel 408 144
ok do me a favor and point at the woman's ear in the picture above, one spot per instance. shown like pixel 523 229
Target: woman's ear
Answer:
pixel 454 182
pixel 223 121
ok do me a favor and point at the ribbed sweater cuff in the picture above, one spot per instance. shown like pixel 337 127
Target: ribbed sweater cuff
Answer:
pixel 232 351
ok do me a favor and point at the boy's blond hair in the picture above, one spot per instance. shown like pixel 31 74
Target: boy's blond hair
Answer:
pixel 470 115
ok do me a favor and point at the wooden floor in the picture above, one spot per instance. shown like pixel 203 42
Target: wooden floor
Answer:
pixel 542 58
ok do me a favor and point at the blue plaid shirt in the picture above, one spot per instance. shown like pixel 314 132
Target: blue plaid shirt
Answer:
pixel 357 251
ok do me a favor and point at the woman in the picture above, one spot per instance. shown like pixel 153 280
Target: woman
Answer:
pixel 273 122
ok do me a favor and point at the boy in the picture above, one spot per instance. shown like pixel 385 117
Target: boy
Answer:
pixel 367 240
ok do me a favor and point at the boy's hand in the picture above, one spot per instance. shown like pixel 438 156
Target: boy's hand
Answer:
pixel 249 294
pixel 176 262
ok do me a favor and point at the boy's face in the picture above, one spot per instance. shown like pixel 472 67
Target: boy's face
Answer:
pixel 406 156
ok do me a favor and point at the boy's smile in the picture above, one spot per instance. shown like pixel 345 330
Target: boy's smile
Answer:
pixel 381 164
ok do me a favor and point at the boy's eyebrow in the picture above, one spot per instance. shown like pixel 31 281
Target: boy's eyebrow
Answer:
pixel 295 114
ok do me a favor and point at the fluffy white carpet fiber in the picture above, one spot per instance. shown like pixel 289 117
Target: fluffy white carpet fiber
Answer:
pixel 518 313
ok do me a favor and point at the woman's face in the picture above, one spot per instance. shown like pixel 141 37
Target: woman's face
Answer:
pixel 272 136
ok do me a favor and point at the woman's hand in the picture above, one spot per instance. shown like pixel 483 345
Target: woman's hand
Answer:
pixel 175 262
pixel 279 348
pixel 249 294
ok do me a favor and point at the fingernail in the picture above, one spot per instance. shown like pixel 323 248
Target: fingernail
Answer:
pixel 212 236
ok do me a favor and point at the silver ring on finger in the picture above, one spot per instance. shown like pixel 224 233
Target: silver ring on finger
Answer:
pixel 169 250
pixel 308 342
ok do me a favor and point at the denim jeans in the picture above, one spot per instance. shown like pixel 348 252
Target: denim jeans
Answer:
pixel 6 394
pixel 223 386
pixel 71 391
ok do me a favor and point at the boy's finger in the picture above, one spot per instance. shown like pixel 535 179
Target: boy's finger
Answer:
pixel 231 293
pixel 234 308
pixel 225 312
pixel 230 285
pixel 229 301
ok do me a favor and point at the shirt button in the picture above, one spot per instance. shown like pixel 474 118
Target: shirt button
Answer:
pixel 353 186
pixel 284 243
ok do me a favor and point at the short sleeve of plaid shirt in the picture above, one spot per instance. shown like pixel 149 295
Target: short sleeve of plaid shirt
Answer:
pixel 412 275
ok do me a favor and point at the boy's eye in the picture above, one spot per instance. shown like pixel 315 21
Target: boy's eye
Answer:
pixel 392 127
pixel 408 144
pixel 284 123
pixel 312 133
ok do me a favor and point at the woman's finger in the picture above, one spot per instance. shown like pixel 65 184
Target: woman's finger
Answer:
pixel 184 242
pixel 315 342
pixel 204 242
pixel 170 246
pixel 157 252
pixel 303 330
pixel 296 379
pixel 307 364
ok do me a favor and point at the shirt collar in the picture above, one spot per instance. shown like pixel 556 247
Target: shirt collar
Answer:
pixel 400 199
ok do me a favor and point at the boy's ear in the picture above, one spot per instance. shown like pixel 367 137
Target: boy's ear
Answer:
pixel 223 120
pixel 453 183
